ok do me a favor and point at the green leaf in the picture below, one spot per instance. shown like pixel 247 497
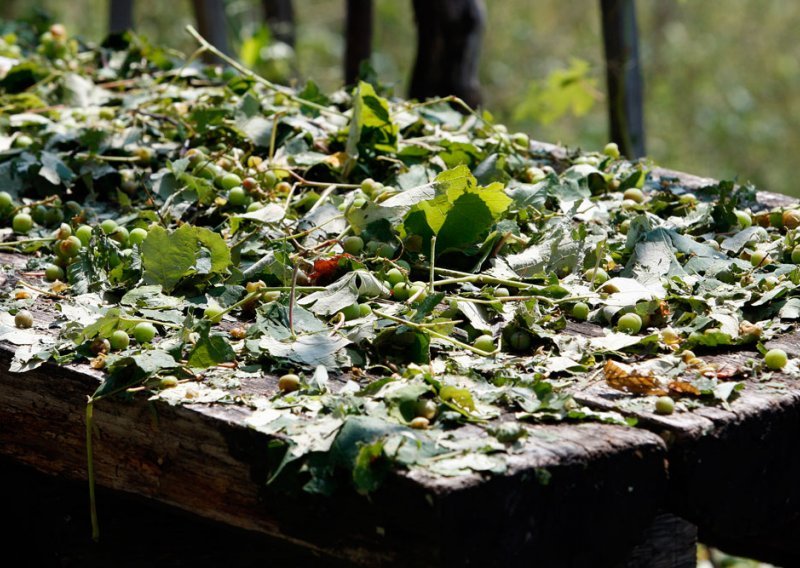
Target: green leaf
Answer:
pixel 168 257
pixel 371 125
pixel 460 214
pixel 210 349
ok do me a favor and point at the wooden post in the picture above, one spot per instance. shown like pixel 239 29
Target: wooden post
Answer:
pixel 358 37
pixel 120 16
pixel 210 17
pixel 279 15
pixel 449 34
pixel 623 75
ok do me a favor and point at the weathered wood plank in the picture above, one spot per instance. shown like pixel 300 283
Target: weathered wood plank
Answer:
pixel 203 459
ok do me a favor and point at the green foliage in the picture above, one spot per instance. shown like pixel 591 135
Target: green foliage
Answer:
pixel 565 91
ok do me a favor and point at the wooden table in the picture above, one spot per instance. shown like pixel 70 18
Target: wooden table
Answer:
pixel 579 495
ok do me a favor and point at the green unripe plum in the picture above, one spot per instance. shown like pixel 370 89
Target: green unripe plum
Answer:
pixel 269 179
pixel 108 226
pixel 743 219
pixel 289 382
pixel 776 359
pixel 69 247
pixel 426 408
pixel 796 254
pixel 119 340
pixel 120 235
pixel 364 310
pixel 418 291
pixel 353 245
pixel 23 319
pixel 22 223
pixel 580 311
pixel 385 250
pixel 6 201
pixel 228 181
pixel 395 276
pixel 611 150
pixel 144 332
pixel 53 272
pixel 688 199
pixel 237 196
pixel 634 194
pixel 501 292
pixel 759 258
pixel 168 382
pixel 400 291
pixel 665 405
pixel 520 340
pixel 39 213
pixel 369 186
pixel 351 312
pixel 484 343
pixel 596 275
pixel 84 233
pixel 53 216
pixel 137 236
pixel 533 174
pixel 630 323
pixel 254 206
pixel 213 313
pixel 63 232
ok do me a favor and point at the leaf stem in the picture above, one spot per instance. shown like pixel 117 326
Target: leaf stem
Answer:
pixel 421 327
pixel 288 93
pixel 12 244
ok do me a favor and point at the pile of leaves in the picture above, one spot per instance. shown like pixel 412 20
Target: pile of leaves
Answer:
pixel 423 282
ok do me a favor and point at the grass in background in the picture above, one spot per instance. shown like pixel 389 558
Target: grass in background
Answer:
pixel 722 81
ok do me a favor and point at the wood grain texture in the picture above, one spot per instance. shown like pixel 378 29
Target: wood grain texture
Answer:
pixel 203 459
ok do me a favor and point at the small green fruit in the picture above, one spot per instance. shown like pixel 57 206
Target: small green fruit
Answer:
pixel 353 245
pixel 137 236
pixel 776 359
pixel 22 223
pixel 484 343
pixel 629 323
pixel 144 332
pixel 289 382
pixel 108 226
pixel 119 339
pixel 23 319
pixel 580 311
pixel 611 150
pixel 665 405
pixel 53 272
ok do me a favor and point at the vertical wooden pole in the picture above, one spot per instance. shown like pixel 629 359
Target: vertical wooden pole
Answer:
pixel 623 75
pixel 279 15
pixel 211 23
pixel 358 37
pixel 449 35
pixel 120 16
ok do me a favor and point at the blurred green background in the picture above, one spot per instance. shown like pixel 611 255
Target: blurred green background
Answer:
pixel 722 79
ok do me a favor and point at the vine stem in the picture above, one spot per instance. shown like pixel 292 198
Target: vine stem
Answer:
pixel 41 291
pixel 130 319
pixel 12 244
pixel 423 328
pixel 288 93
